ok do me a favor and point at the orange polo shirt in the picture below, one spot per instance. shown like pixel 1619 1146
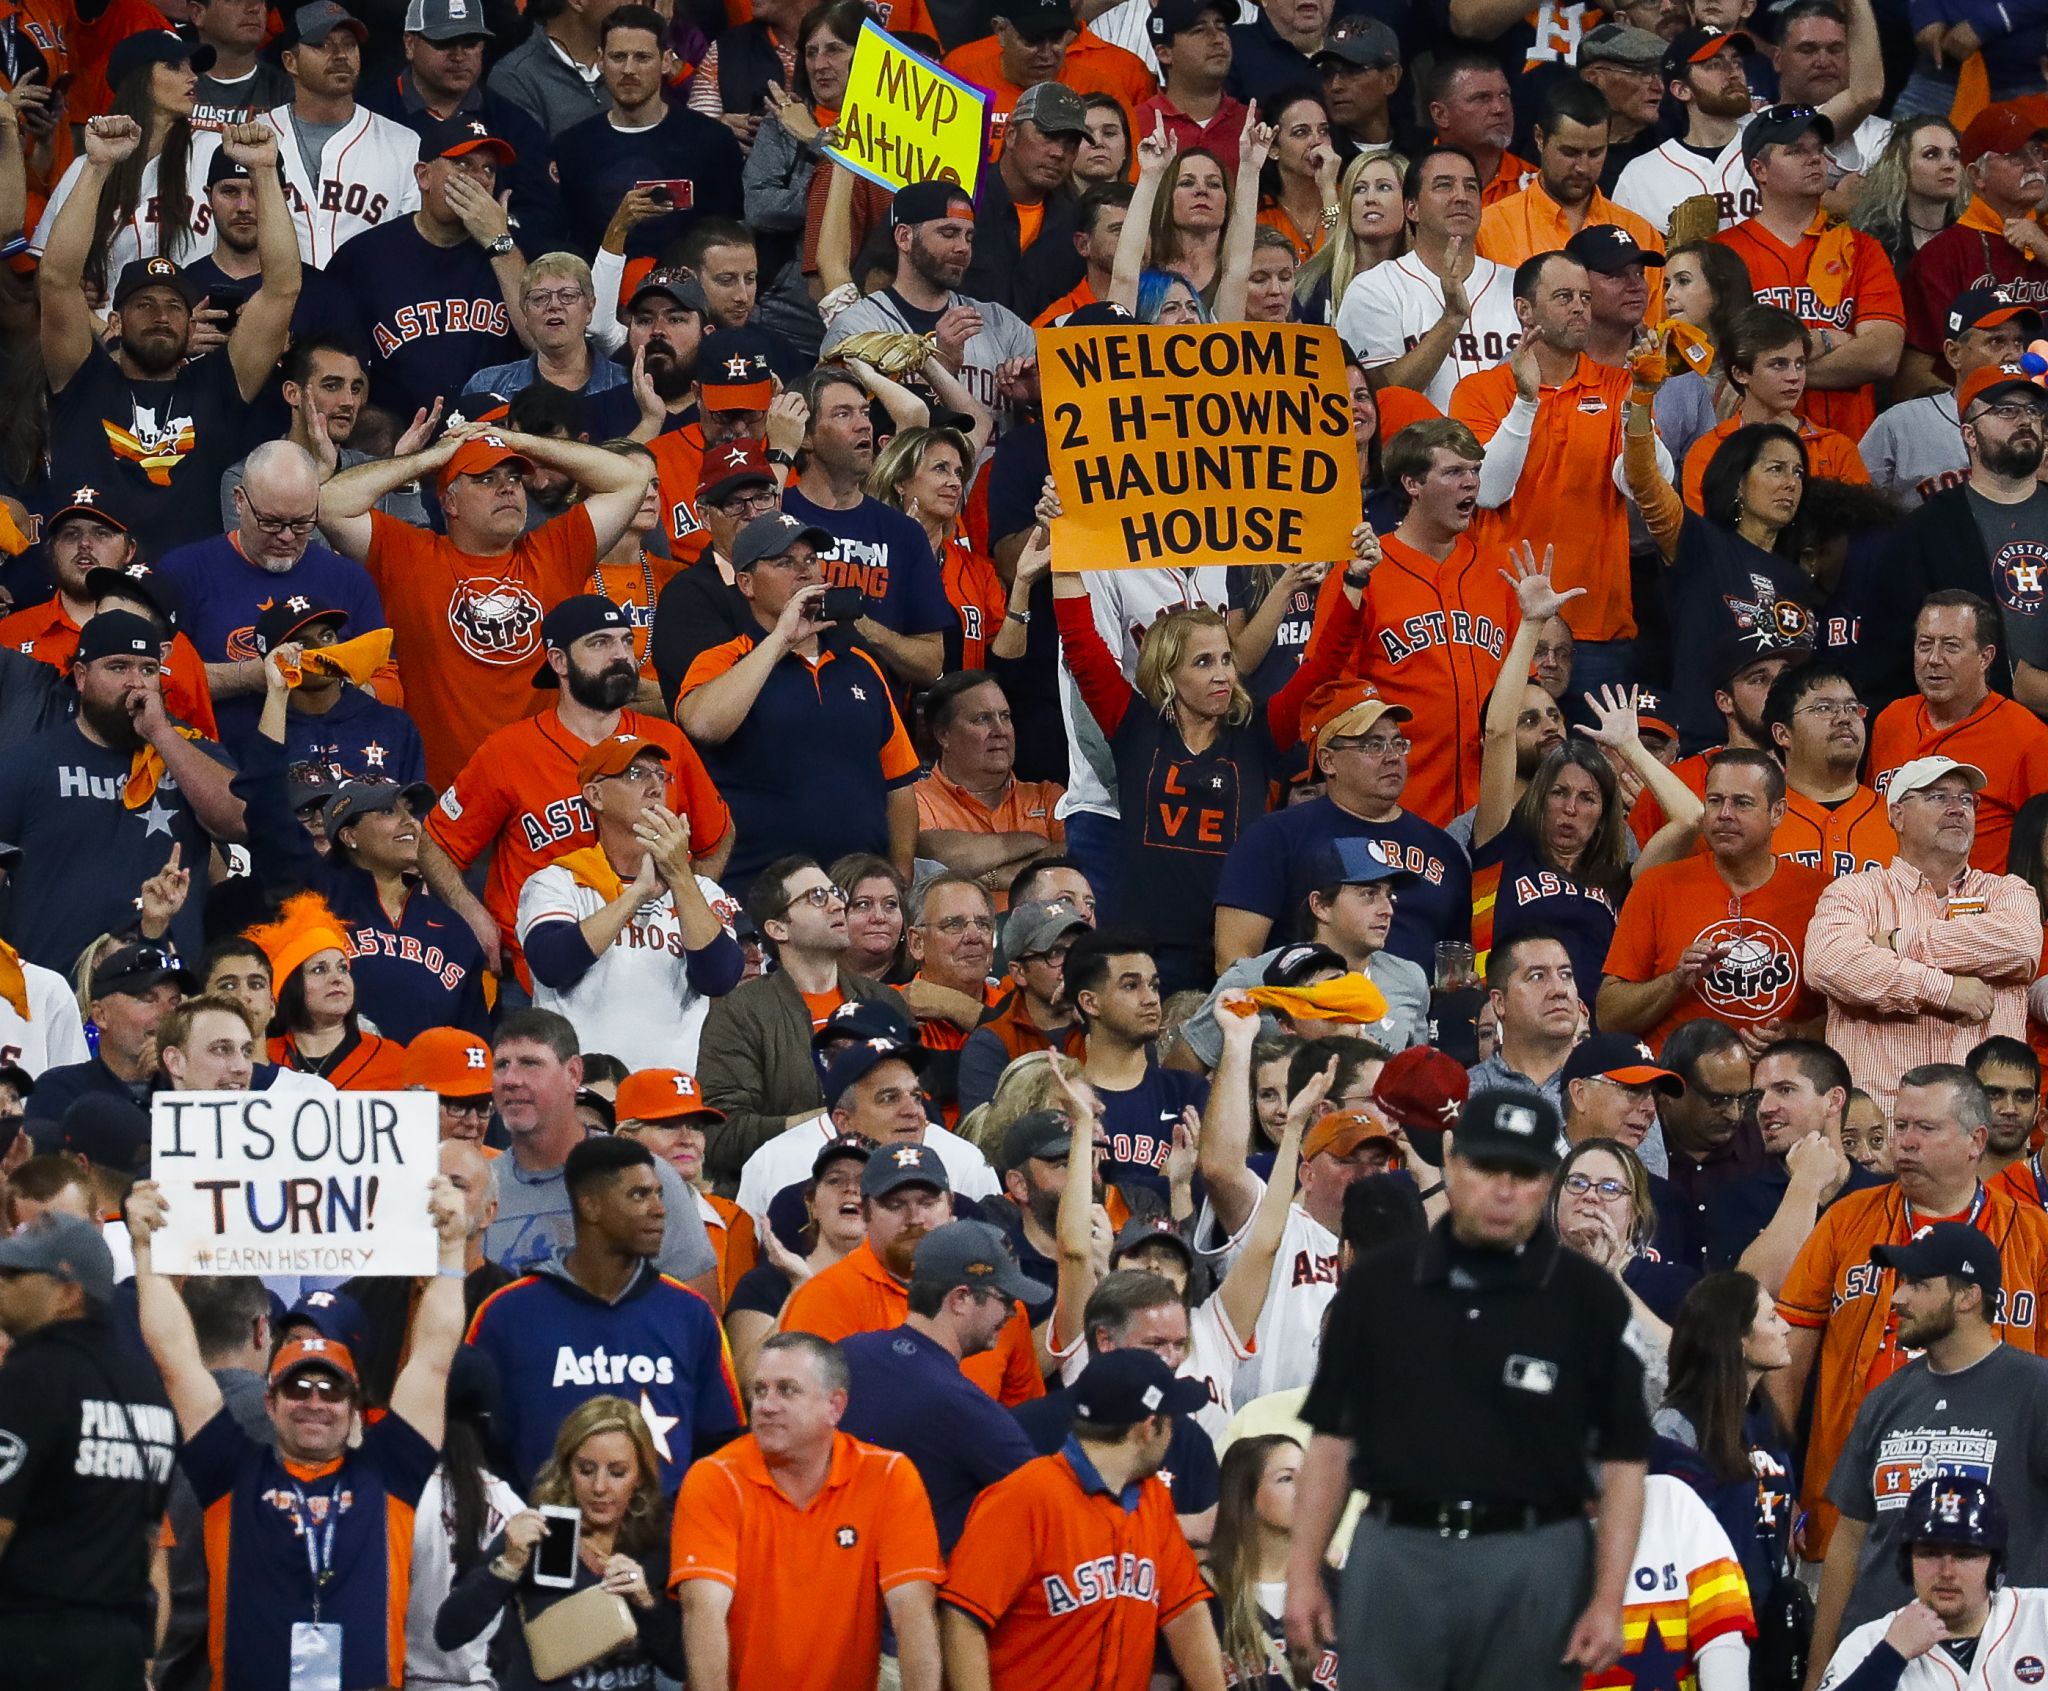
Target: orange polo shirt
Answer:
pixel 1026 808
pixel 2001 737
pixel 1829 453
pixel 1092 66
pixel 1566 496
pixel 46 633
pixel 1518 226
pixel 806 1582
pixel 858 1295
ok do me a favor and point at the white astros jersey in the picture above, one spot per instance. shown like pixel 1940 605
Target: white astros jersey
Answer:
pixel 1393 305
pixel 366 180
pixel 2012 1650
pixel 53 1035
pixel 1653 185
pixel 1289 1334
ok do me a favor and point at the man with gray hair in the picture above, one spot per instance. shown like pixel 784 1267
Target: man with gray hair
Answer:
pixel 556 299
pixel 268 556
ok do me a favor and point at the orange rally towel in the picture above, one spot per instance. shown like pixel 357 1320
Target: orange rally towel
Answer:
pixel 353 660
pixel 1348 998
pixel 1833 264
pixel 13 983
pixel 147 770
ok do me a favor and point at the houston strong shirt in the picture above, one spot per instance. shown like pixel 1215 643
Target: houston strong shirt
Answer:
pixel 467 626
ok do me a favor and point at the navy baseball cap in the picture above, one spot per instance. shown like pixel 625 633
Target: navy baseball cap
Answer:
pixel 1121 1387
pixel 736 369
pixel 1511 1128
pixel 975 1255
pixel 1609 249
pixel 140 273
pixel 136 580
pixel 85 502
pixel 1623 1059
pixel 673 284
pixel 136 969
pixel 865 1018
pixel 107 1131
pixel 1987 308
pixel 1144 1231
pixel 284 620
pixel 455 137
pixel 894 1166
pixel 1293 965
pixel 358 799
pixel 772 534
pixel 333 1315
pixel 857 1060
pixel 841 1145
pixel 1360 42
pixel 1696 46
pixel 568 622
pixel 1097 314
pixel 1780 126
pixel 1953 1249
pixel 117 634
pixel 927 202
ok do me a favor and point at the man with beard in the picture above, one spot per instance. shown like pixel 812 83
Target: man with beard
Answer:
pixel 519 796
pixel 931 225
pixel 1741 700
pixel 1704 74
pixel 1037 1153
pixel 905 1195
pixel 1539 725
pixel 731 387
pixel 2010 1074
pixel 624 937
pixel 660 326
pixel 1833 822
pixel 226 277
pixel 91 792
pixel 267 558
pixel 1970 1403
pixel 141 420
pixel 1987 534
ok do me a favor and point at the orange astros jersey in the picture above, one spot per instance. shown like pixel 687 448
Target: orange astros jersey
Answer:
pixel 1835 1288
pixel 2025 1180
pixel 1432 639
pixel 1799 279
pixel 1842 839
pixel 1072 1588
pixel 2001 737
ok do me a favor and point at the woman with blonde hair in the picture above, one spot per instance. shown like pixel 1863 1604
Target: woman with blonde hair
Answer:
pixel 1246 1565
pixel 924 473
pixel 1916 189
pixel 1194 756
pixel 603 1467
pixel 1372 227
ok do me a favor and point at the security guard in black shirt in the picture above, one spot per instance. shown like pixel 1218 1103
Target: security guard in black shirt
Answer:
pixel 1476 1385
pixel 86 1445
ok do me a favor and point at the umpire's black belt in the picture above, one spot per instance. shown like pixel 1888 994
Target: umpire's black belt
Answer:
pixel 1467 1519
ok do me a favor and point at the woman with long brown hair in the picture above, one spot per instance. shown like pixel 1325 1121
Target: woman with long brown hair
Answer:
pixel 1247 1566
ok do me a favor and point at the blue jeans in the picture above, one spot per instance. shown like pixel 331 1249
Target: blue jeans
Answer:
pixel 1596 664
pixel 1096 843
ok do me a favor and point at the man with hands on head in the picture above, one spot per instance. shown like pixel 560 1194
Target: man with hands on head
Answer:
pixel 310 1556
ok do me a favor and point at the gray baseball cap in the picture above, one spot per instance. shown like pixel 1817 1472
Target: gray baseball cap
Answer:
pixel 66 1248
pixel 1036 925
pixel 974 1254
pixel 1622 44
pixel 1054 107
pixel 1364 43
pixel 772 534
pixel 446 20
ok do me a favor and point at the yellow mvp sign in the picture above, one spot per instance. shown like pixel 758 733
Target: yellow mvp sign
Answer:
pixel 905 120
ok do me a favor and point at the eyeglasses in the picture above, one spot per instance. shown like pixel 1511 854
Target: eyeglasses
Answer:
pixel 1578 1185
pixel 751 504
pixel 280 525
pixel 1833 708
pixel 1726 1103
pixel 1379 745
pixel 1947 801
pixel 2011 410
pixel 564 297
pixel 966 924
pixel 467 1106
pixel 301 1387
pixel 818 898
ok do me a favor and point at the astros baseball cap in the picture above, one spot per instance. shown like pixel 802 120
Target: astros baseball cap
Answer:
pixel 735 369
pixel 1925 771
pixel 2003 128
pixel 1054 107
pixel 330 1314
pixel 568 622
pixel 312 1350
pixel 457 137
pixel 848 1146
pixel 1341 1132
pixel 451 1062
pixel 727 469
pixel 1696 46
pixel 114 634
pixel 1510 1128
pixel 1609 249
pixel 1422 1089
pixel 1620 1058
pixel 85 502
pixel 1991 379
pixel 477 456
pixel 1621 44
pixel 857 1060
pixel 1296 965
pixel 1945 1249
pixel 1780 126
pixel 1361 42
pixel 864 1018
pixel 446 20
pixel 895 1166
pixel 1987 308
pixel 672 283
pixel 1144 1232
pixel 772 534
pixel 927 202
pixel 285 619
pixel 315 21
pixel 65 1247
pixel 1345 709
pixel 614 755
pixel 975 1255
pixel 662 1095
pixel 155 47
pixel 1172 17
pixel 140 273
pixel 358 799
pixel 1047 1135
pixel 1122 1387
pixel 1034 927
pixel 136 580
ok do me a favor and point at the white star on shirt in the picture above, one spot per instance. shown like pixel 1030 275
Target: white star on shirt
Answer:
pixel 658 1425
pixel 158 818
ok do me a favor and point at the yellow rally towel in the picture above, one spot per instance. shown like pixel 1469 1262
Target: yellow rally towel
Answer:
pixel 1685 348
pixel 1828 275
pixel 12 541
pixel 147 770
pixel 589 867
pixel 353 660
pixel 13 983
pixel 1348 998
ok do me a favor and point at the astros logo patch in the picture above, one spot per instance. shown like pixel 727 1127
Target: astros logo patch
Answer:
pixel 2020 574
pixel 495 621
pixel 1760 974
pixel 846 1538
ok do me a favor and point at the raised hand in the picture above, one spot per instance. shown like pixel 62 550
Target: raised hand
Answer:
pixel 1614 716
pixel 1156 151
pixel 164 895
pixel 1459 256
pixel 1530 579
pixel 251 145
pixel 109 140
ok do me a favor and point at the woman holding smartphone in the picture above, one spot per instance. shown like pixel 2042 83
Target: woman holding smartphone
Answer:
pixel 604 1469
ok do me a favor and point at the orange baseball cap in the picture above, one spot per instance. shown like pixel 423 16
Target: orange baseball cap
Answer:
pixel 1981 383
pixel 310 1350
pixel 662 1095
pixel 614 755
pixel 477 455
pixel 1345 707
pixel 1342 1132
pixel 452 1062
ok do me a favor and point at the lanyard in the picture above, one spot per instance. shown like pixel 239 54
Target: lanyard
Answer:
pixel 1970 1220
pixel 320 1555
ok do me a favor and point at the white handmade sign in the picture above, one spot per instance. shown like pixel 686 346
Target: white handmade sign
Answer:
pixel 288 1183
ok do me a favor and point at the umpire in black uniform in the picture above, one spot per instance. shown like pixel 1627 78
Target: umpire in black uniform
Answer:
pixel 1476 1385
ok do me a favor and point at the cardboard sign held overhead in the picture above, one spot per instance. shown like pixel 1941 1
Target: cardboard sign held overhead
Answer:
pixel 1224 444
pixel 905 120
pixel 288 1183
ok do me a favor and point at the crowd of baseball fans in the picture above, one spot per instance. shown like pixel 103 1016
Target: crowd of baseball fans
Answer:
pixel 1461 1116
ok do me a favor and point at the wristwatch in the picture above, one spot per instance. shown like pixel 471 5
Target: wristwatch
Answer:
pixel 1022 618
pixel 501 246
pixel 785 460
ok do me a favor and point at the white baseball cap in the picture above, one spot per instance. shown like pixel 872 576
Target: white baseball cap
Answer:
pixel 1925 771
